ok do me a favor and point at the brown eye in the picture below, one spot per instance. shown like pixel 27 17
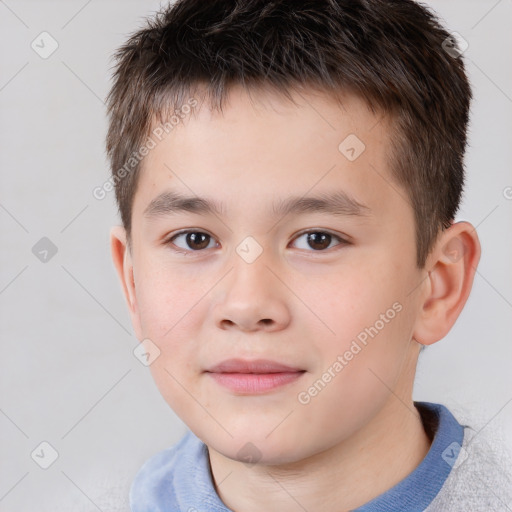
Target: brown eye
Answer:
pixel 197 240
pixel 193 240
pixel 319 241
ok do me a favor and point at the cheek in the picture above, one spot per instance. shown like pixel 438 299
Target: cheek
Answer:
pixel 166 300
pixel 355 377
pixel 171 315
pixel 356 299
pixel 370 327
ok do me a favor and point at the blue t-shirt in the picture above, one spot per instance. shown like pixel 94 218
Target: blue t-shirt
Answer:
pixel 179 479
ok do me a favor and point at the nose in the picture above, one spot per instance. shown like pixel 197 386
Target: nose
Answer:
pixel 252 298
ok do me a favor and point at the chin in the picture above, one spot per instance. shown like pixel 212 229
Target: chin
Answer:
pixel 255 449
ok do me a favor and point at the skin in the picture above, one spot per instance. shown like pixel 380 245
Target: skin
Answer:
pixel 293 304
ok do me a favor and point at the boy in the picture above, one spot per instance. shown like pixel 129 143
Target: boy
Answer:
pixel 287 175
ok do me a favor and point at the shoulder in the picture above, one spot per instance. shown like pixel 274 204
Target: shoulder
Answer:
pixel 154 488
pixel 480 479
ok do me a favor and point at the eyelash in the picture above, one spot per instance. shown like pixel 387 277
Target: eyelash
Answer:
pixel 169 241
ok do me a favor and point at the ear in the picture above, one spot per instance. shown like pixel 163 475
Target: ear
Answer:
pixel 122 259
pixel 453 263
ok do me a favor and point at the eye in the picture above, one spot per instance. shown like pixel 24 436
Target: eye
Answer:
pixel 195 240
pixel 319 240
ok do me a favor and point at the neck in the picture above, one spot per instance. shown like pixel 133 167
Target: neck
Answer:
pixel 342 478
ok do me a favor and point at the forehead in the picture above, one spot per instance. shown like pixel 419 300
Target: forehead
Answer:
pixel 263 148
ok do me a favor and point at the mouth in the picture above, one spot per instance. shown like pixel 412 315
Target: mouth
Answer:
pixel 253 377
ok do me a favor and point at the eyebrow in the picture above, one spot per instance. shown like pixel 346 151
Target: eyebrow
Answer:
pixel 334 203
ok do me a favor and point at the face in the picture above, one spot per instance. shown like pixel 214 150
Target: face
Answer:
pixel 316 299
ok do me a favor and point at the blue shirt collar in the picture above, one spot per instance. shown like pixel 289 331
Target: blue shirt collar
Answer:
pixel 416 491
pixel 179 478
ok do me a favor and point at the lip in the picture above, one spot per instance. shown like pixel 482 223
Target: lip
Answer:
pixel 251 366
pixel 253 377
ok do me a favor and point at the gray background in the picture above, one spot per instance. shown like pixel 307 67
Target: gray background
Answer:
pixel 68 373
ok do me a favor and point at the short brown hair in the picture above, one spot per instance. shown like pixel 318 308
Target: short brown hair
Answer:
pixel 389 52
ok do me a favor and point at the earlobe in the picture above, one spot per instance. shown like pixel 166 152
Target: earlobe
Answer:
pixel 452 265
